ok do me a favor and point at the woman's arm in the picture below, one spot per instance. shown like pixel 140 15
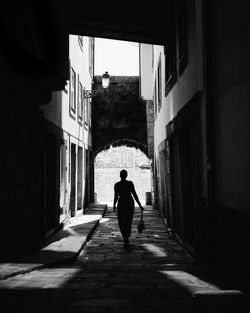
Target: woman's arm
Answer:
pixel 136 197
pixel 115 198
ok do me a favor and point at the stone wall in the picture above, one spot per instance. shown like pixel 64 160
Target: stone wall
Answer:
pixel 119 114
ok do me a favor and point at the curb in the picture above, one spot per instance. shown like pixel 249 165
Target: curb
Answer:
pixel 224 301
pixel 64 261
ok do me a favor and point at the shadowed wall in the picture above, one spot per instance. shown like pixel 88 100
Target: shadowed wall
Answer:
pixel 119 114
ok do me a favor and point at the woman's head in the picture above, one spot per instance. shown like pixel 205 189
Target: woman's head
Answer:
pixel 123 174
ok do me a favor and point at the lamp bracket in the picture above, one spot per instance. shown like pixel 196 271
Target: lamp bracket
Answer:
pixel 92 93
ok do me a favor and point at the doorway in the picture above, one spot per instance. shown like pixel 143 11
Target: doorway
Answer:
pixel 80 178
pixel 73 179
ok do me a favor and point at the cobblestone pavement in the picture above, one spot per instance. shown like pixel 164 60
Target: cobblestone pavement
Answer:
pixel 156 275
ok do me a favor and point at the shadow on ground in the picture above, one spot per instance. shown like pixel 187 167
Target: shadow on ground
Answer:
pixel 155 276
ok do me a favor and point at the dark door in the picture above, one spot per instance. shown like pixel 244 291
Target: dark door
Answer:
pixel 73 180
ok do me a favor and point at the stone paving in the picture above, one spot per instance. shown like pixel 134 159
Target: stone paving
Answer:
pixel 156 275
pixel 62 247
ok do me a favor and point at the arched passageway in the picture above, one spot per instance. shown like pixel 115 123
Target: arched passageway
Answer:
pixel 197 60
pixel 108 164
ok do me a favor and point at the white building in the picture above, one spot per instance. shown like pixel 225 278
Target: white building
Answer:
pixel 172 83
pixel 68 138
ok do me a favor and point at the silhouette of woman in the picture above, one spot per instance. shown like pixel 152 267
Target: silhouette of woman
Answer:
pixel 124 189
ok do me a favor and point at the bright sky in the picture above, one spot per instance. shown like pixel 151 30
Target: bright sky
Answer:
pixel 116 57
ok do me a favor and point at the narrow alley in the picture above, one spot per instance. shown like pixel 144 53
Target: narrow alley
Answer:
pixel 156 275
pixel 84 79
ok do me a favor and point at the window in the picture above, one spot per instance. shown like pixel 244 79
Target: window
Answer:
pixel 80 41
pixel 182 35
pixel 159 96
pixel 155 99
pixel 72 99
pixel 80 102
pixel 91 56
pixel 86 111
pixel 170 64
pixel 90 113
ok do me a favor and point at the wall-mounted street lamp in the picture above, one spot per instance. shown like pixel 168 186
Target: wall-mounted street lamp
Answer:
pixel 105 84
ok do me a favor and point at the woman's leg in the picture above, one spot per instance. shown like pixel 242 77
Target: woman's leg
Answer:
pixel 128 223
pixel 122 223
pixel 125 214
pixel 125 223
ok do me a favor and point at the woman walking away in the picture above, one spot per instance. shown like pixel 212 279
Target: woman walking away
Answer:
pixel 124 189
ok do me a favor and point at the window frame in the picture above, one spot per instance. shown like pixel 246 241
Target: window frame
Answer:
pixel 86 111
pixel 80 41
pixel 170 64
pixel 80 102
pixel 72 94
pixel 182 33
pixel 155 99
pixel 90 112
pixel 159 84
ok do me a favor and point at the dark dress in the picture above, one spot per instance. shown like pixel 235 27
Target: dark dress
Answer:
pixel 125 208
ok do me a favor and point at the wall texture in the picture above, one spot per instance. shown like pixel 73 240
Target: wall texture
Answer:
pixel 119 114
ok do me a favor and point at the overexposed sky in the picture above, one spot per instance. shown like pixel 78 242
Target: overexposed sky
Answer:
pixel 116 57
